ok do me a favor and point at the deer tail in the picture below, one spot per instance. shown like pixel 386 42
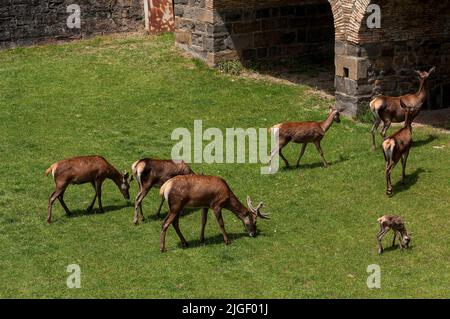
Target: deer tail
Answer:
pixel 388 148
pixel 137 168
pixel 376 106
pixel 50 169
pixel 165 190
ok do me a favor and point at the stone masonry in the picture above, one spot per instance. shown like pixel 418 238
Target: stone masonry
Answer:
pixel 414 34
pixel 24 22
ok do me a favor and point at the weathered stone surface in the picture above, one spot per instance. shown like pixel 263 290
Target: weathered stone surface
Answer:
pixel 28 22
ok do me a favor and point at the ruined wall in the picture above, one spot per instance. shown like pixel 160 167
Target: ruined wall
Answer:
pixel 254 30
pixel 414 35
pixel 24 22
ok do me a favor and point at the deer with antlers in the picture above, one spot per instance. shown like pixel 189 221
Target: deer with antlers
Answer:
pixel 387 109
pixel 388 222
pixel 303 133
pixel 81 170
pixel 154 172
pixel 397 146
pixel 202 191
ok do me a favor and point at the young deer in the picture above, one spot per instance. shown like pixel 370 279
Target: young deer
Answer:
pixel 387 109
pixel 153 172
pixel 303 133
pixel 396 147
pixel 201 191
pixel 395 223
pixel 81 170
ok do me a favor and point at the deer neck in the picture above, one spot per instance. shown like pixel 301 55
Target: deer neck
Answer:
pixel 422 93
pixel 237 207
pixel 115 175
pixel 325 125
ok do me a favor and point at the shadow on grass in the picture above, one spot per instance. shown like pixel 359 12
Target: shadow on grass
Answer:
pixel 426 141
pixel 396 247
pixel 106 209
pixel 314 165
pixel 155 217
pixel 216 240
pixel 410 180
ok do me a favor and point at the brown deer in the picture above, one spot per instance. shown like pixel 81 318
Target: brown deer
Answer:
pixel 154 172
pixel 202 191
pixel 303 133
pixel 81 170
pixel 395 223
pixel 387 109
pixel 396 147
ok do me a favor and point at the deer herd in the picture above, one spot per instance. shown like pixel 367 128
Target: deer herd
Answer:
pixel 182 188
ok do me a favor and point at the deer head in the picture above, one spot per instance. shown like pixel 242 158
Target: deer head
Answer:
pixel 337 115
pixel 423 75
pixel 250 220
pixel 125 185
pixel 406 239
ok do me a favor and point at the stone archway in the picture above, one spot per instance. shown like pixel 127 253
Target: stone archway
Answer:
pixel 413 35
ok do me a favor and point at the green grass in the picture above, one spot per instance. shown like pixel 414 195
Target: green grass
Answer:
pixel 121 98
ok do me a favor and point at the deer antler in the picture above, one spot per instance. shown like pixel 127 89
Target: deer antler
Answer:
pixel 257 210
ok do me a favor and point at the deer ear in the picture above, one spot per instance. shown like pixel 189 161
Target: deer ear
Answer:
pixel 131 178
pixel 126 175
pixel 432 70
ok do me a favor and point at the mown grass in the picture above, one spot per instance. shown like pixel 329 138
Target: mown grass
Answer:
pixel 122 98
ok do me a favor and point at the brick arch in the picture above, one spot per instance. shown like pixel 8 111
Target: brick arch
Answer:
pixel 339 20
pixel 358 12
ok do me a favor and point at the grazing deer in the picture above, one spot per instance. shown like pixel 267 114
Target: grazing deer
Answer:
pixel 154 172
pixel 303 133
pixel 395 223
pixel 81 170
pixel 396 147
pixel 387 109
pixel 201 191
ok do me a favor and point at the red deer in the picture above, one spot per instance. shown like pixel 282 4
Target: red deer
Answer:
pixel 395 223
pixel 201 191
pixel 396 147
pixel 81 170
pixel 387 109
pixel 154 172
pixel 303 133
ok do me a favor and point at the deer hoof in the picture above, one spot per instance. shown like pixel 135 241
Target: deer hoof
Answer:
pixel 380 251
pixel 185 245
pixel 163 250
pixel 389 192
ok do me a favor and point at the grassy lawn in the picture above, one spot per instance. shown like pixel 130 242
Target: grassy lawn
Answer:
pixel 122 98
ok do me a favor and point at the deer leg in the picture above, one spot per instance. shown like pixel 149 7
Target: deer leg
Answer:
pixel 319 149
pixel 95 197
pixel 218 213
pixel 63 204
pixel 380 236
pixel 51 200
pixel 302 151
pixel 395 237
pixel 389 167
pixel 386 126
pixel 138 202
pixel 282 156
pixel 375 126
pixel 167 221
pixel 158 213
pixel 204 219
pixel 404 160
pixel 98 188
pixel 177 229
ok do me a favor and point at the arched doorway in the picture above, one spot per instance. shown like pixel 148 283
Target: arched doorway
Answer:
pixel 414 35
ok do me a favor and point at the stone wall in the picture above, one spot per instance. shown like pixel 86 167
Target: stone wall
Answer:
pixel 415 35
pixel 24 22
pixel 249 32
